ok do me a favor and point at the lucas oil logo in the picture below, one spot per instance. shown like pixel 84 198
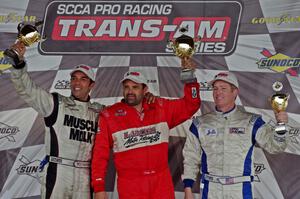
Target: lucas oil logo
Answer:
pixel 138 27
pixel 279 63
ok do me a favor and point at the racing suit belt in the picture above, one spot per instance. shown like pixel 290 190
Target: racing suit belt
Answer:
pixel 227 180
pixel 69 162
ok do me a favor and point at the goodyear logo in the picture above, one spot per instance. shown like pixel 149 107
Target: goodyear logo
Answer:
pixel 14 17
pixel 279 63
pixel 4 64
pixel 285 18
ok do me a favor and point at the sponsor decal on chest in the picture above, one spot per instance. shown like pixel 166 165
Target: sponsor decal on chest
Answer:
pixel 80 130
pixel 120 112
pixel 140 136
pixel 211 132
pixel 237 130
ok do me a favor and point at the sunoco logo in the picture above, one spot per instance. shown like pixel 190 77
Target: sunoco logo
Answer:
pixel 279 63
pixel 138 27
pixel 30 168
pixel 8 132
pixel 258 169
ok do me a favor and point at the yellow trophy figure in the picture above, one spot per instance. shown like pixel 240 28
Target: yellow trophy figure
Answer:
pixel 27 34
pixel 184 47
pixel 279 102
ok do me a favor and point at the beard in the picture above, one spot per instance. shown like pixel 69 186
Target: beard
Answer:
pixel 133 100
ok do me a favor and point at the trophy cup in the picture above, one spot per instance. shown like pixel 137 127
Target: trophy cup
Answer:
pixel 184 47
pixel 27 34
pixel 279 102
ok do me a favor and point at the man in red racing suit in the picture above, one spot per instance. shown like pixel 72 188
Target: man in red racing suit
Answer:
pixel 139 140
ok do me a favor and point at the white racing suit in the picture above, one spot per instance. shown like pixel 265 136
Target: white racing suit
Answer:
pixel 222 144
pixel 71 126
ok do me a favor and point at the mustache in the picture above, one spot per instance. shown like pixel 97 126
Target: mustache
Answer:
pixel 130 95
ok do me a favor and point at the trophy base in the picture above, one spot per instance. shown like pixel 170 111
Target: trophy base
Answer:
pixel 280 129
pixel 187 76
pixel 13 57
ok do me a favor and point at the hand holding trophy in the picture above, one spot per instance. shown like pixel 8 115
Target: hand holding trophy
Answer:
pixel 27 35
pixel 279 102
pixel 184 47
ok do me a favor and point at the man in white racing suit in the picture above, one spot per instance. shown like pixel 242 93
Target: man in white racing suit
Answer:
pixel 71 125
pixel 221 143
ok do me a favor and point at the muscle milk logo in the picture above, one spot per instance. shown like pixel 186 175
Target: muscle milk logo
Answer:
pixel 279 63
pixel 8 132
pixel 139 136
pixel 138 27
pixel 80 130
pixel 62 84
pixel 30 168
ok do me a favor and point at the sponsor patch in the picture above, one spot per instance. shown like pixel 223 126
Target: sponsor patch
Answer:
pixel 237 130
pixel 211 132
pixel 194 92
pixel 120 112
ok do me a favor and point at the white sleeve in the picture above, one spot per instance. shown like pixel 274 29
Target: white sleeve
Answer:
pixel 36 97
pixel 268 139
pixel 191 154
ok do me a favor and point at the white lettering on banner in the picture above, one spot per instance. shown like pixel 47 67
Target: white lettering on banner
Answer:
pixel 133 138
pixel 107 9
pixel 66 24
pixel 144 27
pixel 147 9
pixel 216 31
pixel 70 9
pixel 111 29
pixel 115 9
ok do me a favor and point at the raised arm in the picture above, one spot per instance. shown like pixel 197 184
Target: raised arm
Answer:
pixel 36 97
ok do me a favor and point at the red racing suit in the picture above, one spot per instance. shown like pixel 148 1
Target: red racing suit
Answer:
pixel 140 145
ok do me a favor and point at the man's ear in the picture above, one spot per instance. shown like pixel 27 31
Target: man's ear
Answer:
pixel 145 89
pixel 92 84
pixel 236 91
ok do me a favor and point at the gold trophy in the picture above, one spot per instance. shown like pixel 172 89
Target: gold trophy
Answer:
pixel 279 102
pixel 184 47
pixel 27 34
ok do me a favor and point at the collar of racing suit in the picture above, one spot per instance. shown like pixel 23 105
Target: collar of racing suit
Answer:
pixel 74 98
pixel 227 114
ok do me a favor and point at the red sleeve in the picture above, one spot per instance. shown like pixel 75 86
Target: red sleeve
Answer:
pixel 179 110
pixel 100 155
